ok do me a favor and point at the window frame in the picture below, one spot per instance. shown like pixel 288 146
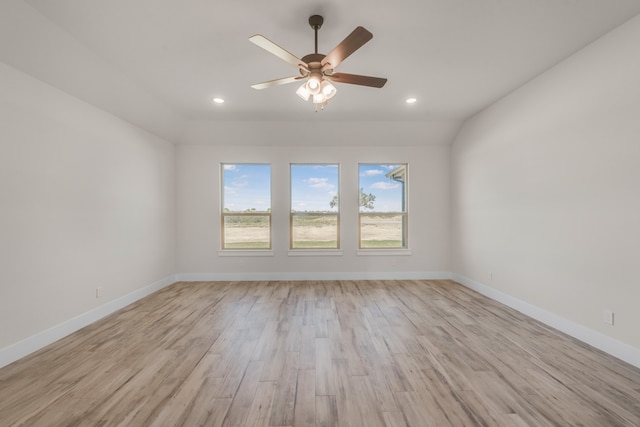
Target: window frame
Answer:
pixel 404 213
pixel 224 215
pixel 293 214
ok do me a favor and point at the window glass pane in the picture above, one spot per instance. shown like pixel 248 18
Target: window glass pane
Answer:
pixel 246 231
pixel 246 206
pixel 247 187
pixel 381 230
pixel 314 231
pixel 315 221
pixel 383 205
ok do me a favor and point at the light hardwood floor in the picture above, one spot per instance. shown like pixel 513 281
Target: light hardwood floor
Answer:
pixel 349 353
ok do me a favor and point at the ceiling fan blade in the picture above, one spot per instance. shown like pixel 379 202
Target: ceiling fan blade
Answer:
pixel 277 82
pixel 350 44
pixel 356 79
pixel 271 47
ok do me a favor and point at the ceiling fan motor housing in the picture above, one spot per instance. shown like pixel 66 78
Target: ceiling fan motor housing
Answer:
pixel 314 61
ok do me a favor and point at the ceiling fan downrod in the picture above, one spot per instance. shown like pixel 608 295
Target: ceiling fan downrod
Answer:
pixel 316 22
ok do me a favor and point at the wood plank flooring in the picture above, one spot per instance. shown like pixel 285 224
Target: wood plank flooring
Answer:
pixel 326 353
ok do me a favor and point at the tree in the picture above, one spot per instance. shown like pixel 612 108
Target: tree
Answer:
pixel 334 202
pixel 366 200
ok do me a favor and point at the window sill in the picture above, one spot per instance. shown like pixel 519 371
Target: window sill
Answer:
pixel 315 252
pixel 384 252
pixel 243 252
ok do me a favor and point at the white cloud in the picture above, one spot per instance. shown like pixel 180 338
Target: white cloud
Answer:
pixel 240 184
pixel 230 167
pixel 382 185
pixel 321 183
pixel 373 172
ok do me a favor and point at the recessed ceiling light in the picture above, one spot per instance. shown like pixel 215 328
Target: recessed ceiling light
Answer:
pixel 411 100
pixel 218 100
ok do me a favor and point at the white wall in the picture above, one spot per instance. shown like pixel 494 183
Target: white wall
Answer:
pixel 198 189
pixel 546 193
pixel 87 201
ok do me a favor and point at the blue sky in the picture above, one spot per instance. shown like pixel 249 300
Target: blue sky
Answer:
pixel 313 187
pixel 373 180
pixel 248 186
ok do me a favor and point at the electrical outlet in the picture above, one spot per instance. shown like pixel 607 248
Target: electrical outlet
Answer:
pixel 98 292
pixel 607 317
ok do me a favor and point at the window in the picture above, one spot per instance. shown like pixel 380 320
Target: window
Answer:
pixel 315 220
pixel 383 206
pixel 246 206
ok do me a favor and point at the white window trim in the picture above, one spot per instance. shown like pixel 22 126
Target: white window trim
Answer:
pixel 245 252
pixel 315 252
pixel 402 251
pixel 384 252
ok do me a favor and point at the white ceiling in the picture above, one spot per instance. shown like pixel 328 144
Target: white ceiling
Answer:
pixel 455 56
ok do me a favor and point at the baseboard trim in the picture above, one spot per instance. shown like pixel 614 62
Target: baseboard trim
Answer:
pixel 596 339
pixel 35 342
pixel 243 277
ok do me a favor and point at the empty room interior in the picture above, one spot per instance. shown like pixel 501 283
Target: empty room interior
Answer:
pixel 320 213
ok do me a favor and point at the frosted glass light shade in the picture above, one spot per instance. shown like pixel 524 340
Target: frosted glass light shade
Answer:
pixel 303 92
pixel 319 98
pixel 328 90
pixel 313 83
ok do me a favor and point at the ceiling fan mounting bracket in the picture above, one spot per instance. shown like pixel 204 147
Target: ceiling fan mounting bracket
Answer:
pixel 316 21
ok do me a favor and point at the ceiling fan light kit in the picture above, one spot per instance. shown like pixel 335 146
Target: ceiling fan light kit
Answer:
pixel 317 68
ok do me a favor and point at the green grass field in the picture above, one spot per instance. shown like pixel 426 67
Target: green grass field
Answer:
pixel 323 244
pixel 246 245
pixel 381 244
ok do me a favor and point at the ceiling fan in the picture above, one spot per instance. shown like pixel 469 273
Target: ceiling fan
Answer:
pixel 316 68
